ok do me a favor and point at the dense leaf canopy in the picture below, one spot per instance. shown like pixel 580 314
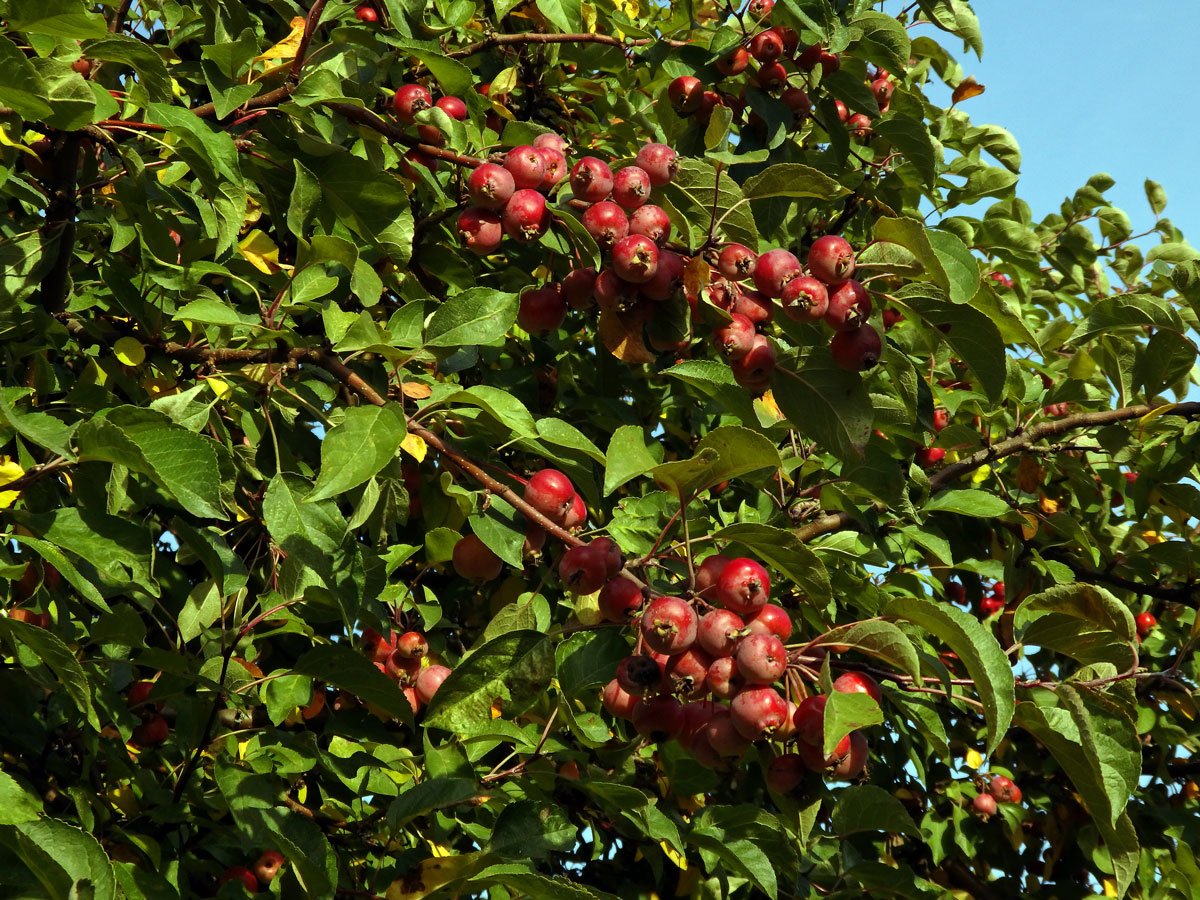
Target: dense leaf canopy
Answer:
pixel 269 425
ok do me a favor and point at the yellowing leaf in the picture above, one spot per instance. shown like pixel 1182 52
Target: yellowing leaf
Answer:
pixel 1155 413
pixel 973 759
pixel 260 251
pixel 1030 526
pixel 767 401
pixel 219 386
pixel 983 473
pixel 414 446
pixel 1110 887
pixel 159 387
pixel 438 850
pixel 674 856
pixel 414 390
pixel 967 88
pixel 431 874
pixel 129 351
pixel 286 49
pixel 9 471
pixel 1152 537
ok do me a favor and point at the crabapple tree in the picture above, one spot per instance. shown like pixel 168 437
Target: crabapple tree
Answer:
pixel 578 450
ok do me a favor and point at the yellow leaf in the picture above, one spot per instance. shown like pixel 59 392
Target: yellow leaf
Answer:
pixel 1030 528
pixel 159 387
pixel 431 874
pixel 242 745
pixel 1110 887
pixel 242 515
pixel 967 88
pixel 219 386
pixel 438 850
pixel 674 856
pixel 1152 537
pixel 414 446
pixel 973 759
pixel 589 17
pixel 286 49
pixel 768 402
pixel 414 390
pixel 983 473
pixel 260 251
pixel 129 351
pixel 1155 413
pixel 9 471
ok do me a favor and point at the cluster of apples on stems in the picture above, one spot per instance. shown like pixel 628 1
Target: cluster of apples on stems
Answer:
pixel 258 876
pixel 402 658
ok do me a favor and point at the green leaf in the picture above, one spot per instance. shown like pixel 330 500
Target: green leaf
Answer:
pixel 72 100
pixel 211 311
pixel 182 463
pixel 715 380
pixel 959 264
pixel 513 670
pixel 529 830
pixel 477 317
pixel 1082 621
pixel 421 799
pixel 866 807
pixel 538 887
pixel 500 405
pixel 1068 735
pixel 628 457
pixel 845 713
pixel 973 336
pixel 912 235
pixel 71 859
pixel 878 638
pixel 911 137
pixel 17 803
pixel 1156 197
pixel 349 670
pixel 65 568
pixel 978 650
pixel 977 503
pixel 1127 311
pixel 371 203
pixel 59 659
pixel 566 15
pixel 21 87
pixel 563 434
pixel 149 66
pixel 57 18
pixel 723 453
pixel 39 428
pixel 827 404
pixel 884 40
pixel 287 514
pixel 783 550
pixel 588 659
pixel 119 549
pixel 358 448
pixel 792 180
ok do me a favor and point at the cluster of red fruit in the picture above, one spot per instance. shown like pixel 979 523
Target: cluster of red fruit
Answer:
pixel 686 666
pixel 826 294
pixel 999 790
pixel 411 99
pixel 401 659
pixel 154 729
pixel 258 876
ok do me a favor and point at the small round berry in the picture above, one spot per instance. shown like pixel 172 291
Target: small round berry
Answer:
pixel 631 187
pixel 527 166
pixel 409 100
pixel 453 107
pixel 591 179
pixel 658 161
pixel 490 186
pixel 686 94
pixel 480 230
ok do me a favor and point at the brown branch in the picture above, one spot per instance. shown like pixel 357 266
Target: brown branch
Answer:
pixel 118 18
pixel 825 525
pixel 369 119
pixel 60 220
pixel 331 363
pixel 310 26
pixel 1187 594
pixel 498 40
pixel 270 98
pixel 1024 442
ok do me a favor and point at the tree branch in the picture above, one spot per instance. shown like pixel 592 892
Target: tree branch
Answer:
pixel 1187 594
pixel 1023 442
pixel 60 219
pixel 499 40
pixel 367 118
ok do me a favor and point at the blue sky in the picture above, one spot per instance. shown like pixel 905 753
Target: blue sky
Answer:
pixel 1091 87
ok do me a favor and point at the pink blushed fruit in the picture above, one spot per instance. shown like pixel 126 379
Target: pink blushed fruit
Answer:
pixel 635 258
pixel 831 259
pixel 409 100
pixel 658 161
pixel 762 658
pixel 651 221
pixel 490 186
pixel 591 179
pixel 551 493
pixel 631 187
pixel 758 712
pixel 480 230
pixel 719 632
pixel 527 165
pixel 525 217
pixel 773 270
pixel 736 261
pixel 744 586
pixel 805 299
pixel 669 625
pixel 619 599
pixel 606 222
